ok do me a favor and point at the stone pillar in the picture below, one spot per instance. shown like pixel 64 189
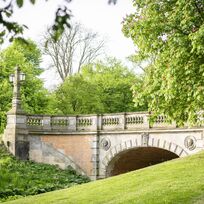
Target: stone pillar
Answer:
pixel 16 134
pixel 124 121
pixel 47 123
pixel 95 157
pixel 146 124
pixel 72 123
pixel 100 122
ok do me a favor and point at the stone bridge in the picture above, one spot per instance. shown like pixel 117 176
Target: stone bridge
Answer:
pixel 100 145
pixel 96 145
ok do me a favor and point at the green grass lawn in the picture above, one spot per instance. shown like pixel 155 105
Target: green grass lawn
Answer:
pixel 22 178
pixel 176 181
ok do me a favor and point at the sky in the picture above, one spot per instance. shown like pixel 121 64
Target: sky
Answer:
pixel 96 15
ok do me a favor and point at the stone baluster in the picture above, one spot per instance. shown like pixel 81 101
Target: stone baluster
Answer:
pixel 113 122
pixel 87 123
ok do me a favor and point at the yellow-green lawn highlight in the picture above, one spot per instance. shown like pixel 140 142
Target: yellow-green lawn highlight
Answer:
pixel 176 181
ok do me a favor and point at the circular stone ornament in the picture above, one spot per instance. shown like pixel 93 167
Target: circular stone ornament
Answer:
pixel 105 144
pixel 190 142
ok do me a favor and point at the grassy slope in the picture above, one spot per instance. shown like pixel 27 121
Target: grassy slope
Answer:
pixel 22 178
pixel 177 181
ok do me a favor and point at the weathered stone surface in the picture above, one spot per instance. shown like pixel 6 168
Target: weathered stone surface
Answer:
pixel 45 152
pixel 22 150
pixel 77 147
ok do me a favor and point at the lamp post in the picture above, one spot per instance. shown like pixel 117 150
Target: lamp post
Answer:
pixel 16 79
pixel 16 132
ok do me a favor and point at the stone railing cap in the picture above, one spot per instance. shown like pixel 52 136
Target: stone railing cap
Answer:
pixel 89 115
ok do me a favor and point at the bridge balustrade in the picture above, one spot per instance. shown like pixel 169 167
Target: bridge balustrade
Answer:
pixel 162 122
pixel 86 123
pixel 35 122
pixel 119 121
pixel 137 121
pixel 110 122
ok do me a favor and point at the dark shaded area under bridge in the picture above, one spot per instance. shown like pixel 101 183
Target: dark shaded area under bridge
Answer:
pixel 138 158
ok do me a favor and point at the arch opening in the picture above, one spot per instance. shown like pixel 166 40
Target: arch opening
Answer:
pixel 137 158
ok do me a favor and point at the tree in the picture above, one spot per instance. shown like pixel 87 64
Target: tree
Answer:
pixel 76 47
pixel 113 82
pixel 102 87
pixel 76 96
pixel 28 57
pixel 171 34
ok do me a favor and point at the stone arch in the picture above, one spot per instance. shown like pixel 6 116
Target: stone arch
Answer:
pixel 141 143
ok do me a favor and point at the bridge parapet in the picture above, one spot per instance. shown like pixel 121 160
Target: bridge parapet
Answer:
pixel 137 120
pixel 105 122
pixel 162 122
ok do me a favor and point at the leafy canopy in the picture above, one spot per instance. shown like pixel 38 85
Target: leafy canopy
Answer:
pixel 170 34
pixel 15 30
pixel 28 57
pixel 103 87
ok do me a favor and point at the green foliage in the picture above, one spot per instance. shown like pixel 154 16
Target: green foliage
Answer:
pixel 22 178
pixel 15 31
pixel 178 181
pixel 28 57
pixel 171 34
pixel 104 87
pixel 5 99
pixel 76 95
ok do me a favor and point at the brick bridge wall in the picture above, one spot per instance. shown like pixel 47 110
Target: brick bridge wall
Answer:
pixel 94 144
pixel 63 149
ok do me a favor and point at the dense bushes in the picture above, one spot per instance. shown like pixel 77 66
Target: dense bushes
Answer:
pixel 22 178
